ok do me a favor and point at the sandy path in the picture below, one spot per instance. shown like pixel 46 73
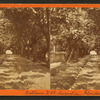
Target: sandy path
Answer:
pixel 19 73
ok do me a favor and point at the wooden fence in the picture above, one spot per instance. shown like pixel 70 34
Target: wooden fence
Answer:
pixel 56 56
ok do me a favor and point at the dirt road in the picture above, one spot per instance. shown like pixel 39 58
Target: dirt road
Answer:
pixel 89 76
pixel 84 74
pixel 17 72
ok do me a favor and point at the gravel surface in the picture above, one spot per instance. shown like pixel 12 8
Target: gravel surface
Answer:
pixel 83 74
pixel 17 72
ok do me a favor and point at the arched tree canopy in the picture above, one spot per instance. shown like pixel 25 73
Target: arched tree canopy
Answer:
pixel 27 32
pixel 74 30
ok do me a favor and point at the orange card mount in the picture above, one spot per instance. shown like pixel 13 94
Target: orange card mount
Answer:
pixel 51 5
pixel 50 92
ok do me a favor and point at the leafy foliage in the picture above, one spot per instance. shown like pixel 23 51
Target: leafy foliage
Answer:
pixel 73 30
pixel 28 26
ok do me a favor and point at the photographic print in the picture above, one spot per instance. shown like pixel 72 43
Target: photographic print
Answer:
pixel 50 49
pixel 75 49
pixel 24 48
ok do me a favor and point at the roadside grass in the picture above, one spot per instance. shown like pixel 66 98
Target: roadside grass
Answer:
pixel 64 76
pixel 27 65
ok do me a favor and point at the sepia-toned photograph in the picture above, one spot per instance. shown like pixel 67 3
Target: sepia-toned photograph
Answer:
pixel 49 48
pixel 24 48
pixel 75 49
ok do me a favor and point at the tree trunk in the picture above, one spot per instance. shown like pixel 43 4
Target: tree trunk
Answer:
pixel 34 53
pixel 48 36
pixel 70 55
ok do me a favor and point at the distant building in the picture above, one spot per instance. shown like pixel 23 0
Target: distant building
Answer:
pixel 9 52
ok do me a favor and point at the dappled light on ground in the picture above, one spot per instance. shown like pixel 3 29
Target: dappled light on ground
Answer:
pixel 17 72
pixel 84 74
